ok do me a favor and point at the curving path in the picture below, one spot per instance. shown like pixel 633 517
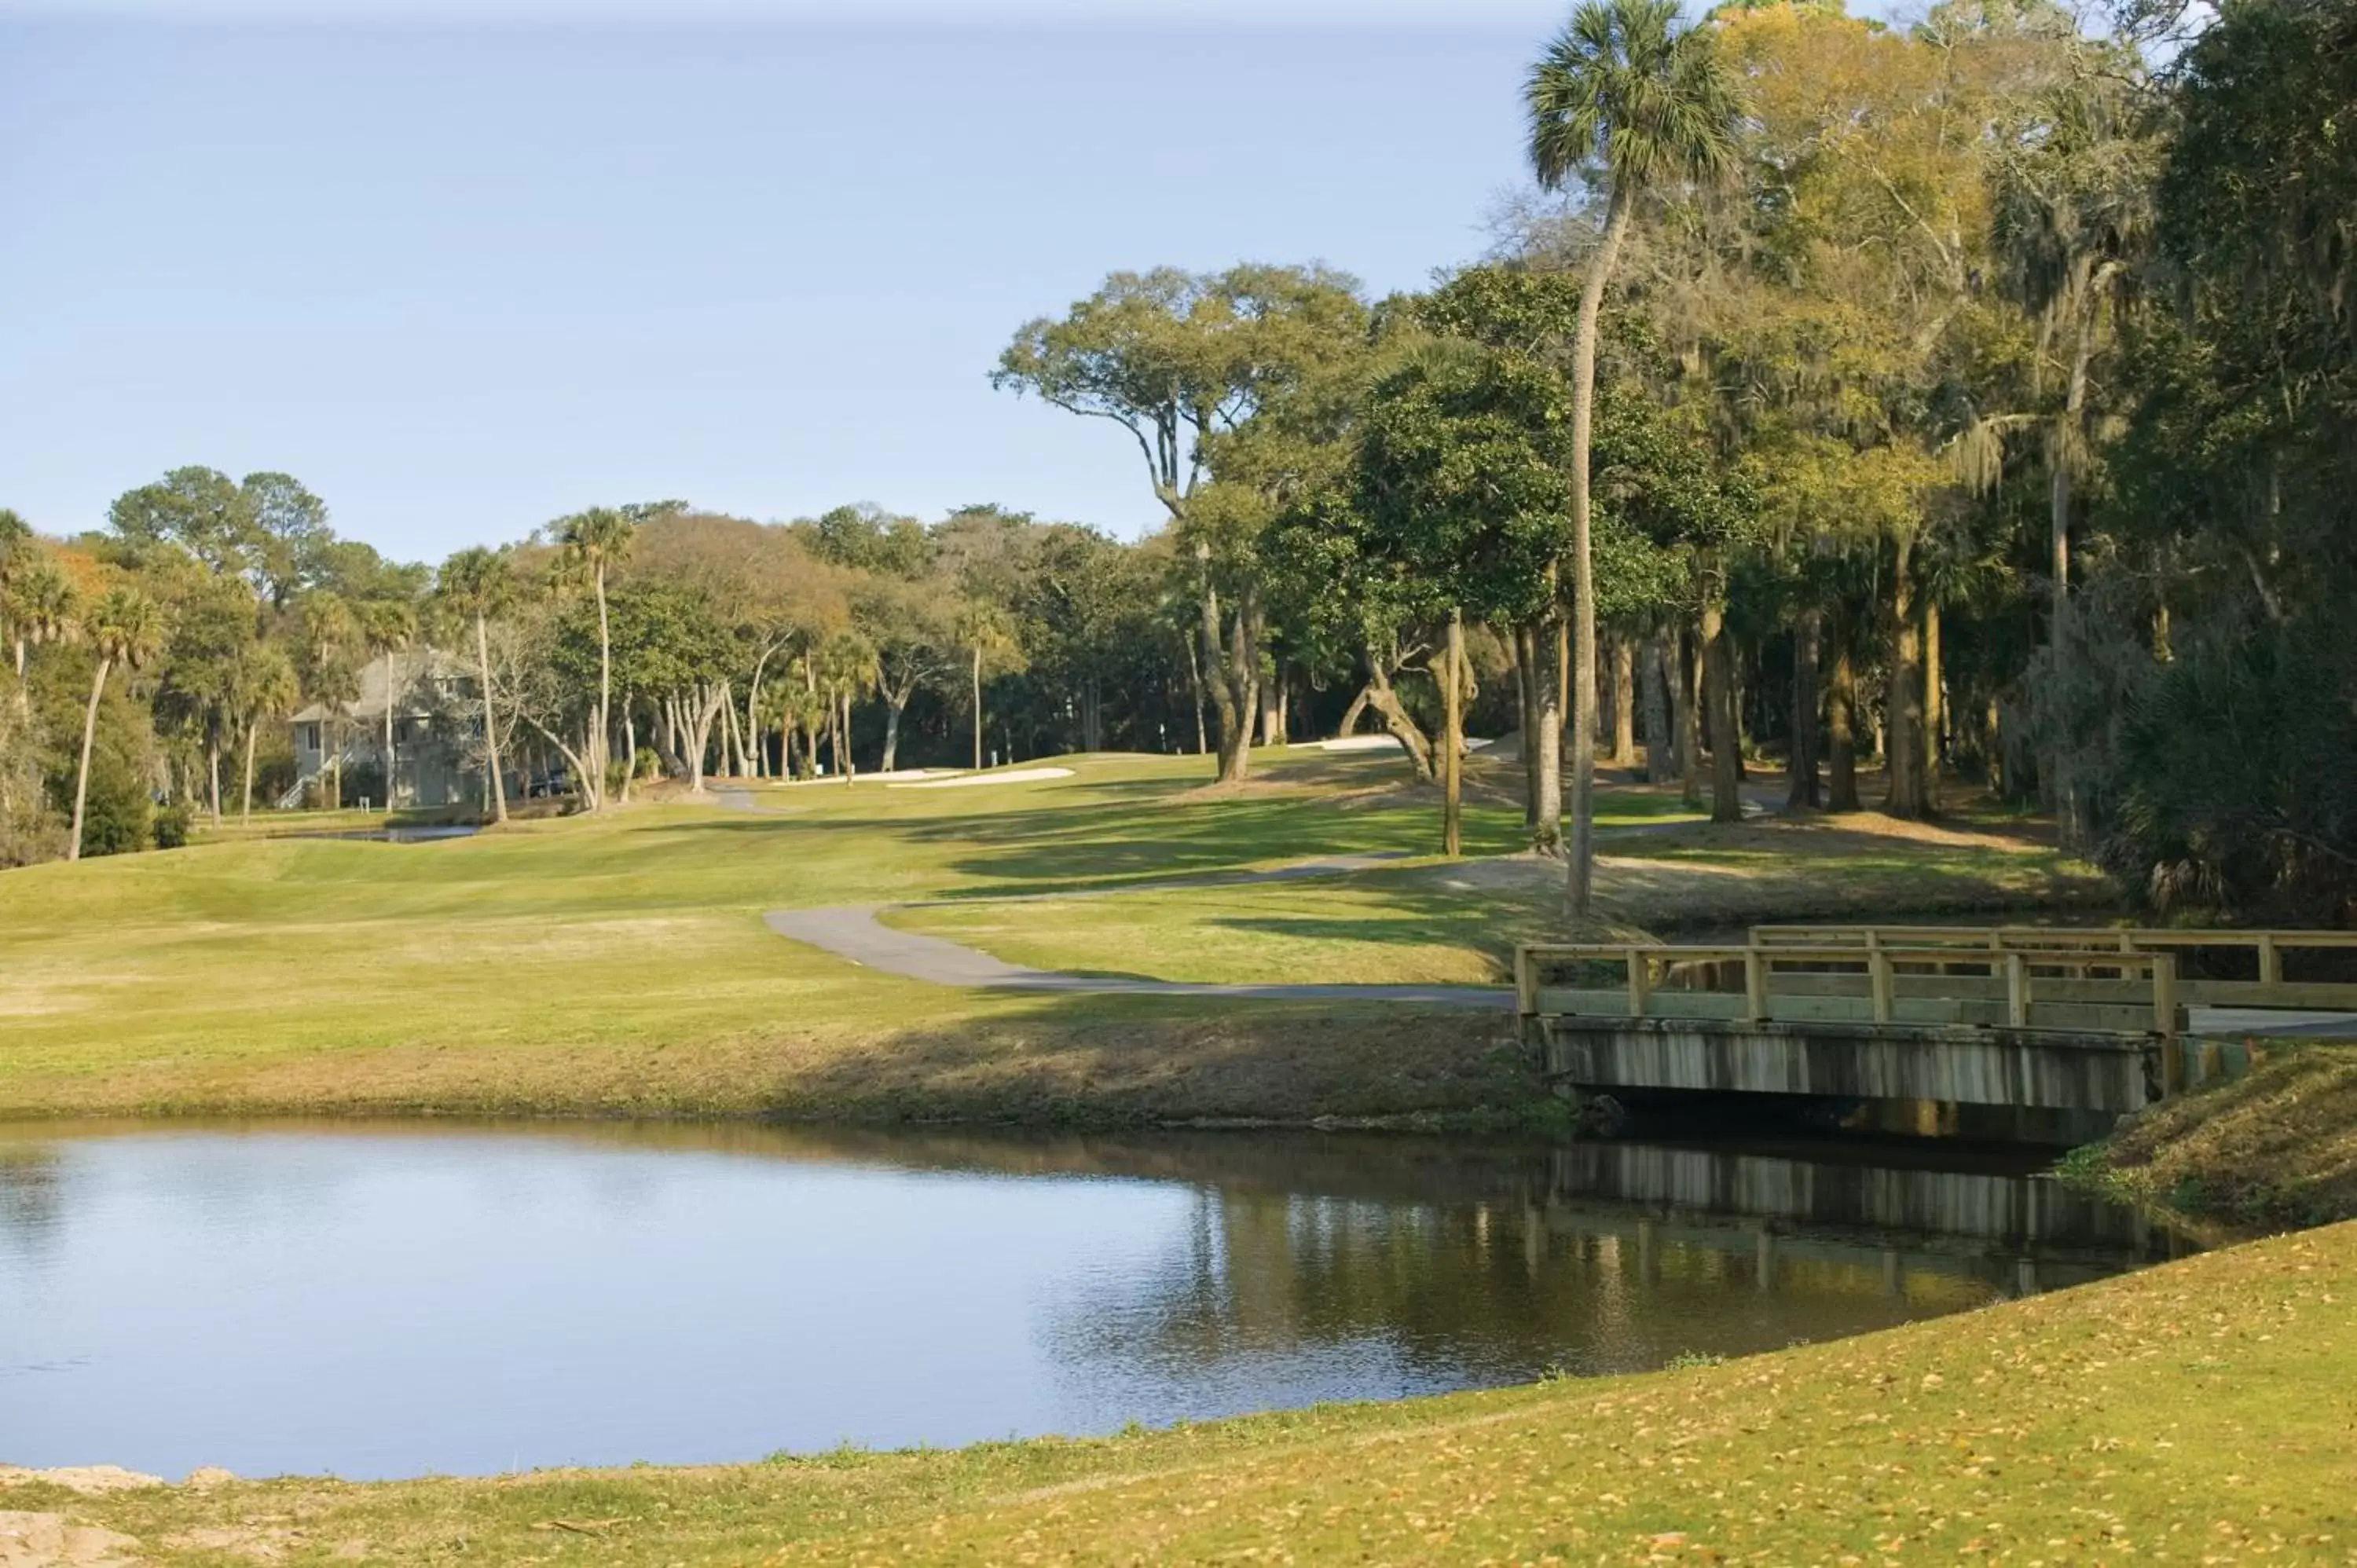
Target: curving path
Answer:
pixel 853 933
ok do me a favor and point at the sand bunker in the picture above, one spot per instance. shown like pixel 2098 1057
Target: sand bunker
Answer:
pixel 1013 776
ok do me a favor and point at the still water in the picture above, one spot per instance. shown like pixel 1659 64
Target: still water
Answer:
pixel 390 1300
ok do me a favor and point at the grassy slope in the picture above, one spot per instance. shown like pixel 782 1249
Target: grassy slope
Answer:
pixel 2201 1412
pixel 2278 1146
pixel 620 964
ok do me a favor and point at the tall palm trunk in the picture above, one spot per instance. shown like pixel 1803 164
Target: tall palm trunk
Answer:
pixel 629 747
pixel 245 805
pixel 1452 740
pixel 499 788
pixel 212 769
pixel 82 773
pixel 391 765
pixel 604 693
pixel 977 707
pixel 1582 873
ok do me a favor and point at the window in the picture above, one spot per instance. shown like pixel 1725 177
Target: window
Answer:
pixel 311 737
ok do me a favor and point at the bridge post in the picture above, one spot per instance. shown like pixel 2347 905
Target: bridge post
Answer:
pixel 2017 990
pixel 1526 1003
pixel 1878 971
pixel 2270 960
pixel 2164 1023
pixel 1640 980
pixel 1755 985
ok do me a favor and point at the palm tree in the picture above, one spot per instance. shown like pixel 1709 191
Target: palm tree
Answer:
pixel 480 584
pixel 1628 93
pixel 331 631
pixel 263 685
pixel 125 628
pixel 983 629
pixel 846 666
pixel 593 541
pixel 390 627
pixel 36 601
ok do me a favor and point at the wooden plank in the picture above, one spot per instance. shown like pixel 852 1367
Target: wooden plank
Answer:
pixel 2320 997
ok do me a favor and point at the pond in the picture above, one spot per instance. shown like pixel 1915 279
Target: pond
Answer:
pixel 385 1300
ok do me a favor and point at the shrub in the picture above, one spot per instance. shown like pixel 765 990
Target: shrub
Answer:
pixel 115 816
pixel 171 825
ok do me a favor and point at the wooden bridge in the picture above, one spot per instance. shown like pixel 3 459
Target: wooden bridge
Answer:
pixel 2092 1021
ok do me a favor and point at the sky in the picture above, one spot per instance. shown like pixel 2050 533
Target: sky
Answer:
pixel 463 268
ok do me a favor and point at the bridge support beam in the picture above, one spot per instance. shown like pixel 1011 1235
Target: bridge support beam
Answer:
pixel 2109 1074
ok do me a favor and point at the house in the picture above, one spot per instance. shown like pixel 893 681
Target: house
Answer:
pixel 435 761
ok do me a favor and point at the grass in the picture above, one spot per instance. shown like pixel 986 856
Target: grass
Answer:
pixel 618 965
pixel 1437 922
pixel 2195 1413
pixel 237 829
pixel 2277 1146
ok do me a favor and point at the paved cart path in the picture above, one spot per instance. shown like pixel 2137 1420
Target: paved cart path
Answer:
pixel 854 932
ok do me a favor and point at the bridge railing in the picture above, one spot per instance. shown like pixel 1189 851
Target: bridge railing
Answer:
pixel 2072 989
pixel 2269 949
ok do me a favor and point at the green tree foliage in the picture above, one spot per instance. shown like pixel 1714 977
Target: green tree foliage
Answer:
pixel 2219 718
pixel 1185 362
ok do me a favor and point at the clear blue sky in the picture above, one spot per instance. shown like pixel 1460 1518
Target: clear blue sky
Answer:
pixel 468 267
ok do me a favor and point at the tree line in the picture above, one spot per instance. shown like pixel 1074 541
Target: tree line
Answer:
pixel 1973 399
pixel 155 664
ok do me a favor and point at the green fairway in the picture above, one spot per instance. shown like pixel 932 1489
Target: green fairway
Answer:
pixel 1458 923
pixel 618 962
pixel 2194 1413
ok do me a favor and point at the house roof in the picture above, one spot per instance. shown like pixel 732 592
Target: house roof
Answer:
pixel 417 667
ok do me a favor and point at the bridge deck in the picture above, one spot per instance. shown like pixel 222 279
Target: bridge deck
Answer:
pixel 2090 1021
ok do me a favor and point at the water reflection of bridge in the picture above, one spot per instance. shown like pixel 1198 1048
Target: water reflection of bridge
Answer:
pixel 2018 1233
